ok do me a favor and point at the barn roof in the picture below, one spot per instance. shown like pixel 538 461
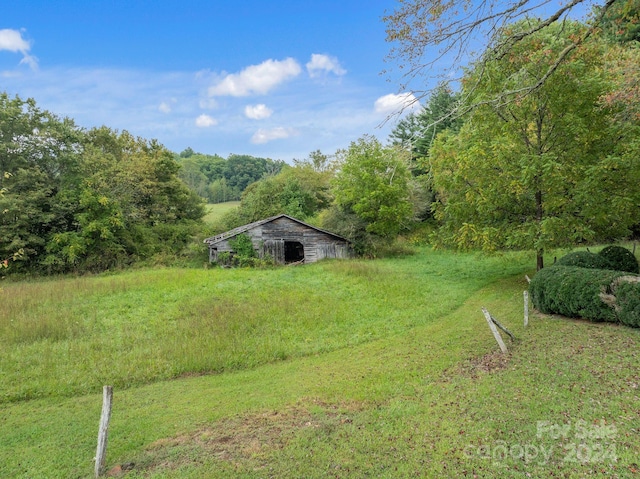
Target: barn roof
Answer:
pixel 243 229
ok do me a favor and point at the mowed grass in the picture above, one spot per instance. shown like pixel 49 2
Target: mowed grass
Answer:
pixel 422 392
pixel 215 211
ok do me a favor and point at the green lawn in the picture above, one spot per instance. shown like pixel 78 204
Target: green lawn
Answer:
pixel 339 369
pixel 216 211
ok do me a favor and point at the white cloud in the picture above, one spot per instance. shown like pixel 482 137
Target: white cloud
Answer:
pixel 12 41
pixel 30 60
pixel 205 121
pixel 324 63
pixel 164 107
pixel 256 79
pixel 266 135
pixel 323 118
pixel 396 103
pixel 257 112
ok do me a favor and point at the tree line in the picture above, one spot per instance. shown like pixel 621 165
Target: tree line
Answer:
pixel 219 180
pixel 77 200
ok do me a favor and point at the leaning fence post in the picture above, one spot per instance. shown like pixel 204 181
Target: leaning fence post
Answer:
pixel 494 330
pixel 101 452
pixel 526 308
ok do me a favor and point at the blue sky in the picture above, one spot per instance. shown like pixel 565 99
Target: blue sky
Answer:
pixel 274 79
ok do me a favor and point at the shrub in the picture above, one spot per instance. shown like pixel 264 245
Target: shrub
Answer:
pixel 595 294
pixel 243 246
pixel 574 292
pixel 244 255
pixel 585 259
pixel 620 259
pixel 628 303
pixel 224 258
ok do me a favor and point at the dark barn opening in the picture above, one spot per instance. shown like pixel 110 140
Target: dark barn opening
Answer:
pixel 293 251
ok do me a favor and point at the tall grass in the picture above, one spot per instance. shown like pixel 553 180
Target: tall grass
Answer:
pixel 32 311
pixel 71 336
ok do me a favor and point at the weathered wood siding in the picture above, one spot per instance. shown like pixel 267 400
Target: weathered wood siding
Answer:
pixel 273 248
pixel 317 244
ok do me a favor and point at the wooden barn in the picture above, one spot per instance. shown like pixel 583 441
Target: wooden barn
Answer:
pixel 285 239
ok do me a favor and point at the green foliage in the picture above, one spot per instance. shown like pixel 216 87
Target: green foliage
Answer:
pixel 26 214
pixel 417 131
pixel 573 292
pixel 38 157
pixel 585 259
pixel 620 259
pixel 219 180
pixel 623 68
pixel 628 302
pixel 243 246
pixel 621 23
pixel 244 254
pixel 372 185
pixel 224 258
pixel 542 168
pixel 229 220
pixel 80 200
pixel 318 162
pixel 349 225
pixel 300 191
pixel 615 258
pixel 589 285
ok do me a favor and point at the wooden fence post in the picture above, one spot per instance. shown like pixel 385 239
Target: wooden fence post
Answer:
pixel 526 308
pixel 494 330
pixel 101 452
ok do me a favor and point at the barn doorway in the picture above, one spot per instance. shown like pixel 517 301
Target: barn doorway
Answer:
pixel 293 251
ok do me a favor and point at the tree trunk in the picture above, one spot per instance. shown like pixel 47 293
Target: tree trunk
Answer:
pixel 539 260
pixel 539 215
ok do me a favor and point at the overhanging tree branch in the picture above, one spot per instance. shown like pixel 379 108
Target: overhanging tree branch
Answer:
pixel 449 29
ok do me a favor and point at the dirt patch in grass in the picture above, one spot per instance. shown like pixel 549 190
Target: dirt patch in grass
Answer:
pixel 489 363
pixel 247 438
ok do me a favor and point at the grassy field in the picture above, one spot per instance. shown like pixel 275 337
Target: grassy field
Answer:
pixel 339 369
pixel 216 211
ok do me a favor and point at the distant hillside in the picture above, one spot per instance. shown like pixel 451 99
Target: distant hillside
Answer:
pixel 219 180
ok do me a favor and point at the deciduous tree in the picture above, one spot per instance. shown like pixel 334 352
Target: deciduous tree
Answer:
pixel 373 184
pixel 543 168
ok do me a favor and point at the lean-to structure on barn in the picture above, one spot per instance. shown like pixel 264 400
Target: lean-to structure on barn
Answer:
pixel 285 239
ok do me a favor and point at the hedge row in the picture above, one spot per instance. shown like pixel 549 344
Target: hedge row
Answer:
pixel 620 259
pixel 593 286
pixel 628 301
pixel 584 259
pixel 574 292
pixel 615 258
